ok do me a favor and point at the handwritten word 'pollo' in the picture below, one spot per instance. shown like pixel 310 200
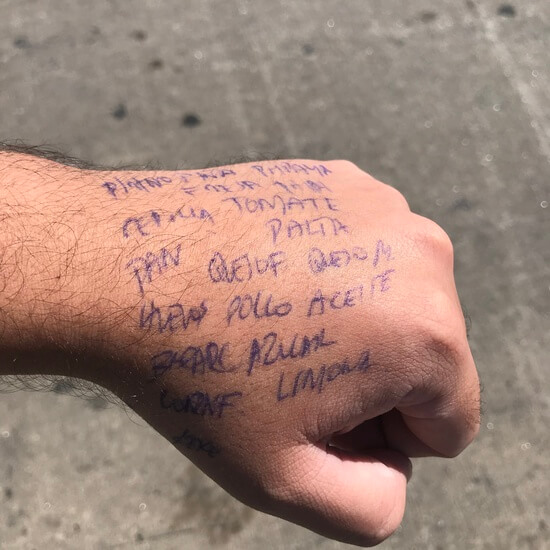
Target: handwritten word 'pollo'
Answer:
pixel 193 442
pixel 294 229
pixel 320 261
pixel 200 403
pixel 311 380
pixel 259 306
pixel 172 318
pixel 243 268
pixel 271 348
pixel 281 168
pixel 195 359
pixel 143 226
pixel 283 205
pixel 153 264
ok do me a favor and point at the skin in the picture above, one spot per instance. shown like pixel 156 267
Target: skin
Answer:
pixel 331 456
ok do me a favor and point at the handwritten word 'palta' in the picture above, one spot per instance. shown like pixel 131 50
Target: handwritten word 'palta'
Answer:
pixel 293 229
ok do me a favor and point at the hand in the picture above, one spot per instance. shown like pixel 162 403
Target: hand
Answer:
pixel 290 326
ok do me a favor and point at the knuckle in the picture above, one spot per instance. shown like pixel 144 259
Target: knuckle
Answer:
pixel 432 239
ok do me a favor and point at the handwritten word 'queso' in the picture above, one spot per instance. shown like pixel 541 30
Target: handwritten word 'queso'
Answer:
pixel 243 268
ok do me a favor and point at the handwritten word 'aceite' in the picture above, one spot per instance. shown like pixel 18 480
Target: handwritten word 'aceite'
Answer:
pixel 315 380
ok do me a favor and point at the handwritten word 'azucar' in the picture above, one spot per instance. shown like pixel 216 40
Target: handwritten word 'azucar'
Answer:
pixel 144 225
pixel 283 205
pixel 193 442
pixel 294 229
pixel 259 306
pixel 196 359
pixel 200 403
pixel 316 380
pixel 271 349
pixel 281 168
pixel 243 268
pixel 172 318
pixel 146 268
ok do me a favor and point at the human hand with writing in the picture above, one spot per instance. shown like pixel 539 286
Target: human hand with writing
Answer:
pixel 290 326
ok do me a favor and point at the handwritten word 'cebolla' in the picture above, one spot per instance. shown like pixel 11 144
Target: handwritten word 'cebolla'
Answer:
pixel 260 306
pixel 195 359
pixel 283 205
pixel 152 264
pixel 143 226
pixel 271 348
pixel 172 318
pixel 200 403
pixel 243 268
pixel 316 380
pixel 293 229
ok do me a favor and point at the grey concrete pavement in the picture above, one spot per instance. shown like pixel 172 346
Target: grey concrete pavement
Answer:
pixel 448 101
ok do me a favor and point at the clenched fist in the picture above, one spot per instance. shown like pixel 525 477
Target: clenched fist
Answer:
pixel 290 326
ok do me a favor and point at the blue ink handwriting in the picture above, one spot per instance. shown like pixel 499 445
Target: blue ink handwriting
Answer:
pixel 193 442
pixel 282 168
pixel 259 306
pixel 283 204
pixel 172 318
pixel 243 268
pixel 200 403
pixel 294 229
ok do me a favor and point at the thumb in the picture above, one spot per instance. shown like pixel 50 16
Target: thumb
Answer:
pixel 354 498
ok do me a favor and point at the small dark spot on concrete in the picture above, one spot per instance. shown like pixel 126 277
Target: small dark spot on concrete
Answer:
pixel 470 5
pixel 76 527
pixel 24 531
pixel 156 64
pixel 190 120
pixel 120 112
pixel 507 10
pixel 461 204
pixel 84 468
pixel 542 525
pixel 139 35
pixel 52 521
pixel 8 493
pixel 139 537
pixel 22 42
pixel 428 16
pixel 97 403
pixel 308 49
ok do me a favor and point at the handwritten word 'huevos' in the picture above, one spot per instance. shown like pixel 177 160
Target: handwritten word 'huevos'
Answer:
pixel 172 318
pixel 200 403
pixel 153 264
pixel 316 380
pixel 260 306
pixel 293 229
pixel 142 226
pixel 243 268
pixel 270 349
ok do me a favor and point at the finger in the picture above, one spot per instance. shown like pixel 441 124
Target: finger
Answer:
pixel 353 498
